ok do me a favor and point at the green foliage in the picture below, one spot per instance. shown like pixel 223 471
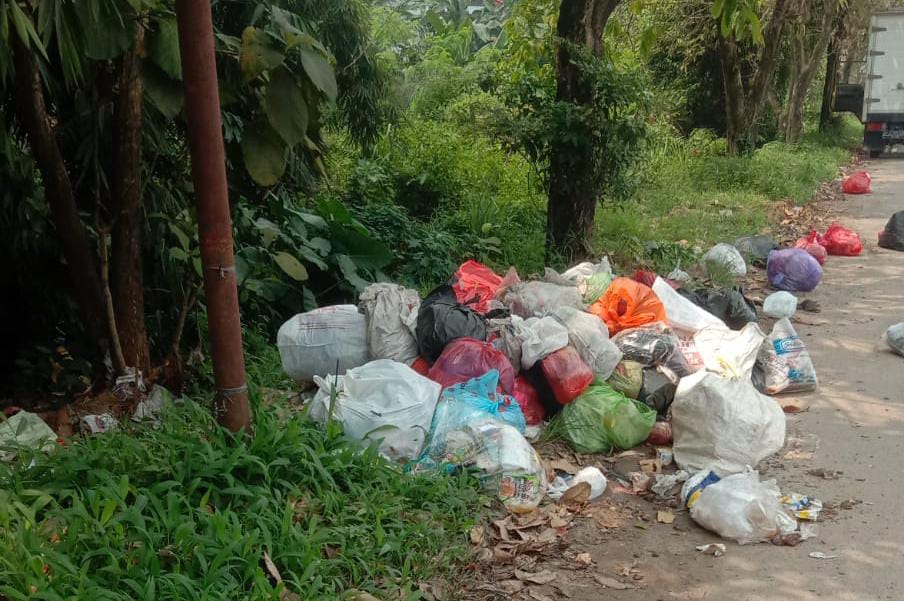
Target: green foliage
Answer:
pixel 189 511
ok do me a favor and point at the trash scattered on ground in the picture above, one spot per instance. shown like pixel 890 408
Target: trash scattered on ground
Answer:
pixel 794 270
pixel 803 507
pixel 780 304
pixel 820 555
pixel 665 483
pixel 661 434
pixel 785 361
pixel 755 249
pixel 894 338
pixel 391 312
pixel 664 516
pixel 98 424
pixel 25 430
pixel 810 305
pixel 442 319
pixel 856 183
pixel 315 343
pixel 591 475
pixel 892 237
pixel 628 304
pixel 152 406
pixel 652 345
pixel 813 245
pixel 729 306
pixel 840 241
pixel 724 260
pixel 724 424
pixel 384 400
pixel 466 358
pixel 475 285
pixel 714 549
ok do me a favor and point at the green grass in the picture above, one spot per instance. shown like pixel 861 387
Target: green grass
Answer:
pixel 694 193
pixel 188 511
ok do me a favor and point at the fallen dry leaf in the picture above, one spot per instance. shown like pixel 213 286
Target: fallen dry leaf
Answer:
pixel 612 583
pixel 563 465
pixel 664 516
pixel 542 577
pixel 579 493
pixel 791 405
pixel 809 321
pixel 583 559
pixel 557 522
pixel 511 586
pixel 271 568
pixel 539 596
pixel 547 536
pixel 477 535
pixel 607 517
pixel 651 466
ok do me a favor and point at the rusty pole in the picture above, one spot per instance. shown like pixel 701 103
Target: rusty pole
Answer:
pixel 208 170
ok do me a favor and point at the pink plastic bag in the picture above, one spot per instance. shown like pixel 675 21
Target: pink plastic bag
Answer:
pixel 475 285
pixel 466 358
pixel 813 245
pixel 567 374
pixel 857 183
pixel 841 241
pixel 529 401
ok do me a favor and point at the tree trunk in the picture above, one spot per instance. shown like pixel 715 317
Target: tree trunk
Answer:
pixel 734 95
pixel 831 78
pixel 75 243
pixel 127 282
pixel 573 186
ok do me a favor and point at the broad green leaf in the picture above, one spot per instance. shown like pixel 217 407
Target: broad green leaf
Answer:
pixel 258 53
pixel 285 107
pixel 269 230
pixel 350 272
pixel 108 32
pixel 184 241
pixel 312 257
pixel 366 251
pixel 177 254
pixel 264 154
pixel 291 266
pixel 320 72
pixel 320 245
pixel 163 47
pixel 166 94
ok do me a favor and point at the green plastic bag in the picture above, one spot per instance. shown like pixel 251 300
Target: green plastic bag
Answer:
pixel 627 378
pixel 602 418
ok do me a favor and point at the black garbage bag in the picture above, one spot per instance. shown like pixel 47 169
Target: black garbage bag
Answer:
pixel 755 249
pixel 730 305
pixel 441 319
pixel 892 237
pixel 658 389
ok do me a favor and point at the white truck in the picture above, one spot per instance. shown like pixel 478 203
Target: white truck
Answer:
pixel 881 97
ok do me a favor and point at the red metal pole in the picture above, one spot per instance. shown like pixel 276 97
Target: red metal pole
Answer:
pixel 208 170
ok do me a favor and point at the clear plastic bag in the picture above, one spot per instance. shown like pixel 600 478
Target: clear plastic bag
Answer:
pixel 382 400
pixel 683 314
pixel 391 312
pixel 724 260
pixel 780 304
pixel 536 299
pixel 590 338
pixel 787 366
pixel 743 508
pixel 650 345
pixel 894 338
pixel 591 279
pixel 591 475
pixel 504 334
pixel 540 337
pixel 729 353
pixel 314 343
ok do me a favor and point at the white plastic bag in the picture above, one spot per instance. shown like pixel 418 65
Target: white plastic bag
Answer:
pixel 25 429
pixel 723 424
pixel 591 279
pixel 780 304
pixel 787 366
pixel 683 315
pixel 724 259
pixel 591 475
pixel 311 344
pixel 540 336
pixel 894 338
pixel 590 337
pixel 536 299
pixel 743 508
pixel 391 312
pixel 730 353
pixel 384 400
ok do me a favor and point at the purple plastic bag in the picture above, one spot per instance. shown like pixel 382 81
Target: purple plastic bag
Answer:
pixel 793 269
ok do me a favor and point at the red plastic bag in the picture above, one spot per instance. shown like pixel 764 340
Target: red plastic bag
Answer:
pixel 661 434
pixel 648 278
pixel 529 401
pixel 813 245
pixel 567 374
pixel 421 366
pixel 475 285
pixel 628 304
pixel 466 358
pixel 841 241
pixel 857 183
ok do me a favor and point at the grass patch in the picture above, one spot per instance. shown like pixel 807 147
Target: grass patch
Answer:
pixel 188 511
pixel 694 193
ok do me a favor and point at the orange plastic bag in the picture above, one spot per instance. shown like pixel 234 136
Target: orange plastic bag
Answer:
pixel 628 304
pixel 475 285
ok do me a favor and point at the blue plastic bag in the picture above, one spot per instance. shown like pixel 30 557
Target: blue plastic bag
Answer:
pixel 793 269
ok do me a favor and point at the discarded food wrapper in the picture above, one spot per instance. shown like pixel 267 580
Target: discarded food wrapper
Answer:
pixel 97 424
pixel 591 475
pixel 664 455
pixel 786 363
pixel 802 506
pixel 714 549
pixel 666 482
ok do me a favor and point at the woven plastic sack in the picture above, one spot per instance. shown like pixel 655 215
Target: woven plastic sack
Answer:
pixel 475 285
pixel 724 425
pixel 382 401
pixel 794 270
pixel 590 338
pixel 627 378
pixel 466 358
pixel 787 366
pixel 315 343
pixel 812 244
pixel 892 237
pixel 391 312
pixel 567 374
pixel 842 242
pixel 724 260
pixel 442 319
pixel 857 183
pixel 602 419
pixel 628 304
pixel 529 401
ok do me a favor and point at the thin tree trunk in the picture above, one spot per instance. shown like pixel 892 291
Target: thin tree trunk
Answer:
pixel 831 77
pixel 573 187
pixel 734 95
pixel 126 265
pixel 75 243
pixel 765 69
